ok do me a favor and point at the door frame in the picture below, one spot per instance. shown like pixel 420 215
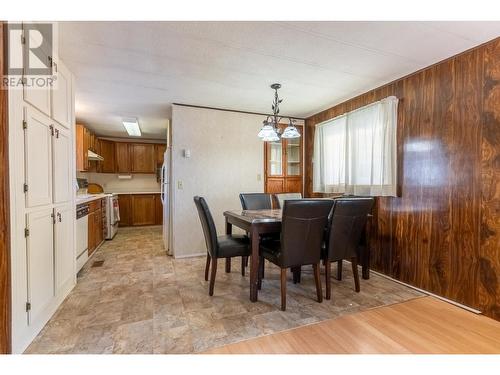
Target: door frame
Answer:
pixel 5 281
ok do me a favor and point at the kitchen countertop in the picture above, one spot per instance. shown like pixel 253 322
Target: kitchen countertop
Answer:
pixel 89 198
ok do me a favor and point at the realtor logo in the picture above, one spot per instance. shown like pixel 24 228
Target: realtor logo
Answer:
pixel 30 55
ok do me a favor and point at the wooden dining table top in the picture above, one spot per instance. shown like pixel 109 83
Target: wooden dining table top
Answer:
pixel 256 216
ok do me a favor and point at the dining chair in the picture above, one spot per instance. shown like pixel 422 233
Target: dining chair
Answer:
pixel 346 227
pixel 302 233
pixel 227 246
pixel 282 197
pixel 256 201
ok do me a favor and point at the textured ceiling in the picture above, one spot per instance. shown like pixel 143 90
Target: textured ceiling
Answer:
pixel 139 69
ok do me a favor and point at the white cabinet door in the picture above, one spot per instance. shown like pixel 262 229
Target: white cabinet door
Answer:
pixel 61 158
pixel 40 258
pixel 37 95
pixel 38 158
pixel 62 96
pixel 63 247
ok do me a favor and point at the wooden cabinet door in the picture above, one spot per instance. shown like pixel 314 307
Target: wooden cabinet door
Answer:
pixel 107 151
pixel 158 210
pixel 142 158
pixel 40 262
pixel 61 161
pixel 122 157
pixel 63 248
pixel 62 96
pixel 86 146
pixel 160 151
pixel 38 158
pixel 91 234
pixel 125 207
pixel 143 209
pixel 80 154
pixel 98 227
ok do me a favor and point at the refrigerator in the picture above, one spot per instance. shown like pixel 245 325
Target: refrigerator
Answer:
pixel 165 194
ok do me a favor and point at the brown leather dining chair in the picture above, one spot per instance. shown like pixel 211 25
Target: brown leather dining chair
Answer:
pixel 227 246
pixel 256 201
pixel 346 227
pixel 302 233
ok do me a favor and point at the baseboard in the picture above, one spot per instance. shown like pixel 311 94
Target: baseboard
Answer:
pixel 190 255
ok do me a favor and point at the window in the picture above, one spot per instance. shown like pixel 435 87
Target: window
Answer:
pixel 356 153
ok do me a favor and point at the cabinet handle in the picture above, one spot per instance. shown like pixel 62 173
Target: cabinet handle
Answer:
pixel 51 127
pixel 57 133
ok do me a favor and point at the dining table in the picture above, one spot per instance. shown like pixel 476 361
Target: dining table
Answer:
pixel 260 222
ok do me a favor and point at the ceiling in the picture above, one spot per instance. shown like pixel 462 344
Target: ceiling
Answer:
pixel 139 69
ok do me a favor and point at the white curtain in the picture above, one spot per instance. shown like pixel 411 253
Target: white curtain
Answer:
pixel 356 153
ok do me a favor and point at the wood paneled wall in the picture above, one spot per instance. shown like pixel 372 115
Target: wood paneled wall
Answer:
pixel 5 302
pixel 442 233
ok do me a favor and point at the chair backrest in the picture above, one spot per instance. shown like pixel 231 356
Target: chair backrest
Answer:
pixel 302 230
pixel 255 201
pixel 347 224
pixel 208 225
pixel 282 197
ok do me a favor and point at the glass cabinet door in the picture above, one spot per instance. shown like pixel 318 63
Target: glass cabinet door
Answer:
pixel 275 166
pixel 293 157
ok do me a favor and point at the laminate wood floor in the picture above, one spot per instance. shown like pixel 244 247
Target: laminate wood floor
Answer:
pixel 421 325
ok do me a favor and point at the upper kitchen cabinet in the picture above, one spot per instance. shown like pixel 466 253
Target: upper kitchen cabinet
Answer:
pixel 62 108
pixel 38 133
pixel 81 148
pixel 107 151
pixel 142 158
pixel 122 157
pixel 160 151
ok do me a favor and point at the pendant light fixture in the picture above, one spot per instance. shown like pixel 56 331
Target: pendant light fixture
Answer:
pixel 270 131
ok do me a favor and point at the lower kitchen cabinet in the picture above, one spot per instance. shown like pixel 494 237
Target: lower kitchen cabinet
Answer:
pixel 96 232
pixel 140 209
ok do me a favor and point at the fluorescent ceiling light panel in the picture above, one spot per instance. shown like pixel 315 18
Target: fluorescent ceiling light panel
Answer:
pixel 132 127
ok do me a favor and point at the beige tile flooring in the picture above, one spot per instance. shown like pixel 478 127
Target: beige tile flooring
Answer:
pixel 142 301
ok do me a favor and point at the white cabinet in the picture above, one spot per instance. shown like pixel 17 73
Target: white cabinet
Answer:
pixel 61 157
pixel 63 247
pixel 40 262
pixel 61 96
pixel 38 130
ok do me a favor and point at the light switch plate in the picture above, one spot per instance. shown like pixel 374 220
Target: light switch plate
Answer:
pixel 179 185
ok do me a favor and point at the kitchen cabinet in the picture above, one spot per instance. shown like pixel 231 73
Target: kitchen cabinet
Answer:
pixel 61 158
pixel 40 262
pixel 158 210
pixel 38 131
pixel 91 233
pixel 107 150
pixel 80 148
pixel 122 157
pixel 62 110
pixel 95 231
pixel 142 158
pixel 125 207
pixel 143 209
pixel 63 247
pixel 160 151
pixel 283 164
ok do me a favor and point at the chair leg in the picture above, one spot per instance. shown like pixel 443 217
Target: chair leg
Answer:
pixel 339 270
pixel 243 262
pixel 328 281
pixel 246 261
pixel 228 265
pixel 317 281
pixel 354 262
pixel 261 272
pixel 212 277
pixel 283 289
pixel 207 267
pixel 296 274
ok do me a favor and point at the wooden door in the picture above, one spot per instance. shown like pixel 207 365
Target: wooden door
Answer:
pixel 91 234
pixel 160 151
pixel 38 158
pixel 63 248
pixel 142 158
pixel 158 210
pixel 122 157
pixel 61 97
pixel 40 263
pixel 107 151
pixel 61 161
pixel 143 209
pixel 125 207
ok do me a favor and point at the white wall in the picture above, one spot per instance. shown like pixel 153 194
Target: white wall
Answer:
pixel 111 183
pixel 226 159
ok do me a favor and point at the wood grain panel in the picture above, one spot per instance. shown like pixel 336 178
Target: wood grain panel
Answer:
pixel 143 209
pixel 5 297
pixel 442 233
pixel 125 207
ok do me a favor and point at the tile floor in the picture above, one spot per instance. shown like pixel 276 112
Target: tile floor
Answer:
pixel 142 301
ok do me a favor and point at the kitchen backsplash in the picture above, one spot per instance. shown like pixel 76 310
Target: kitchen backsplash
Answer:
pixel 112 184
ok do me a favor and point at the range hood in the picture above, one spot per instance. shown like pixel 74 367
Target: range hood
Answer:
pixel 93 156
